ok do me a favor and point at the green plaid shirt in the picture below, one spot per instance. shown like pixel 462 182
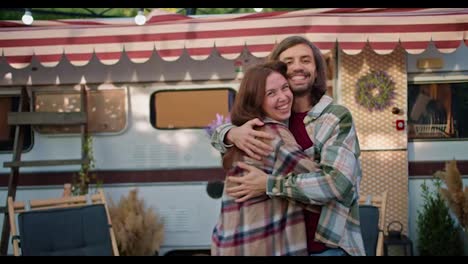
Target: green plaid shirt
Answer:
pixel 336 184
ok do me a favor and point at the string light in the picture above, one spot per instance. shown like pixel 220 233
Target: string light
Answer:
pixel 140 18
pixel 27 17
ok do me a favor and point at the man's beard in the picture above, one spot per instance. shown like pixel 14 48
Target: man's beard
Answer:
pixel 302 91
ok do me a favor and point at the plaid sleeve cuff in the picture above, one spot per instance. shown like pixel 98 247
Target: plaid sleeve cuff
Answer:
pixel 223 130
pixel 280 187
pixel 217 139
pixel 274 186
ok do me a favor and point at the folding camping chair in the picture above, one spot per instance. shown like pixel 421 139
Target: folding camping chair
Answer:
pixel 73 226
pixel 372 216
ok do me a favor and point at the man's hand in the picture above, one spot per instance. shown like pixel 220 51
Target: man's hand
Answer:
pixel 246 139
pixel 252 184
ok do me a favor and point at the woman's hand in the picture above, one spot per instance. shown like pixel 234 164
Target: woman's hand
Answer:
pixel 246 139
pixel 252 184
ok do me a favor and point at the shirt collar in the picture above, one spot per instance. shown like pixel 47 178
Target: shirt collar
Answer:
pixel 317 110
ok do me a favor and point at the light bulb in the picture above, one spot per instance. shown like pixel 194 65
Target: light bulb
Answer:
pixel 140 19
pixel 27 18
pixel 258 10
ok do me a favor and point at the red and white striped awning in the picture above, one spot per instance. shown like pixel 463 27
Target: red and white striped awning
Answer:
pixel 170 35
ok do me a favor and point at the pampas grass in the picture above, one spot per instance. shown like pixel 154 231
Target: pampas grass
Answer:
pixel 138 229
pixel 456 197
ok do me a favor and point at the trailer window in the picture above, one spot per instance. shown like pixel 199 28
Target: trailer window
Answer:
pixel 437 110
pixel 189 108
pixel 7 132
pixel 106 110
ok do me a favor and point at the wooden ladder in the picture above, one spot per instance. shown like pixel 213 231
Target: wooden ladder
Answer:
pixel 25 117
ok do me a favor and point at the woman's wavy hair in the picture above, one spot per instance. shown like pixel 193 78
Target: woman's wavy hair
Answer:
pixel 319 86
pixel 249 101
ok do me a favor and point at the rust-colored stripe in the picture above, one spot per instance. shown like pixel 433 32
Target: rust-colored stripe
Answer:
pixel 427 168
pixel 415 169
pixel 108 177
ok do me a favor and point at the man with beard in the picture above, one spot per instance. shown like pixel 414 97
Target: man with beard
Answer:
pixel 326 132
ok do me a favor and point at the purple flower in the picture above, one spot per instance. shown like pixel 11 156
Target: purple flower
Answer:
pixel 220 120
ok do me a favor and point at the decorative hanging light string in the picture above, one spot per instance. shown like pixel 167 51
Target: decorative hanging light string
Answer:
pixel 140 18
pixel 27 17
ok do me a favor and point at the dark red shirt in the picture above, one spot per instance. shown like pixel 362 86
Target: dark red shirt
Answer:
pixel 297 128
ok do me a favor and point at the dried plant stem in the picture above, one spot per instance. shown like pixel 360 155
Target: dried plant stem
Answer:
pixel 454 194
pixel 138 229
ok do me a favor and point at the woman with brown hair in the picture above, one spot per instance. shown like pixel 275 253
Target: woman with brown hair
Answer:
pixel 264 226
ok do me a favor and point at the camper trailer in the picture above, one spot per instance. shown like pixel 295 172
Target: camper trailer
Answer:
pixel 149 135
pixel 151 91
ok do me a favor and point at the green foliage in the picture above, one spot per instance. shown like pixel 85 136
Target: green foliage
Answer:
pixel 437 232
pixel 216 11
pixel 67 13
pixel 80 183
pixel 87 13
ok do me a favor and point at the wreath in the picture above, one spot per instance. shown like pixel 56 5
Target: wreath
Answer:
pixel 375 90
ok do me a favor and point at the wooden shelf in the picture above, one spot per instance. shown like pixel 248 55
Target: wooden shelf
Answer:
pixel 46 118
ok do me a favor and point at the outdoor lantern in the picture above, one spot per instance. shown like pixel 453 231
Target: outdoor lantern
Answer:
pixel 395 243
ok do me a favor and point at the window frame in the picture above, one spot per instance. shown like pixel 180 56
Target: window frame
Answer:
pixel 89 87
pixel 15 91
pixel 435 78
pixel 152 99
